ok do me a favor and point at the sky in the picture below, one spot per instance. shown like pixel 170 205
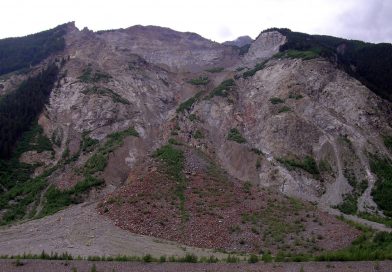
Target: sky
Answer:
pixel 219 20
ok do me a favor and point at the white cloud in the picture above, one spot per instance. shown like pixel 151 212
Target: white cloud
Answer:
pixel 216 20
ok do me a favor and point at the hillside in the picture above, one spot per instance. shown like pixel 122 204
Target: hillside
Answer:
pixel 251 148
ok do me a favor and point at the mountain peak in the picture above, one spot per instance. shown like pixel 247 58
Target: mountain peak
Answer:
pixel 240 41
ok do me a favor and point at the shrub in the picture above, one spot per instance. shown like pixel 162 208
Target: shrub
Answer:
pixel 284 109
pixel 253 258
pixel 258 163
pixel 276 100
pixel 235 135
pixel 187 105
pixel 147 258
pixel 349 204
pixel 257 151
pixel 253 71
pixel 88 143
pixel 295 96
pixel 198 134
pixel 266 257
pixel 308 164
pixel 57 199
pixel 223 88
pixel 174 142
pixel 215 69
pixel 201 80
pixel 189 258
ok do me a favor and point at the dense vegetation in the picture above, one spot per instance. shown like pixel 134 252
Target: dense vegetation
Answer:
pixel 308 164
pixel 20 53
pixel 372 62
pixel 17 189
pixel 382 190
pixel 19 108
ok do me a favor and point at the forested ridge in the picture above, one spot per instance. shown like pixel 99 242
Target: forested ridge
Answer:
pixel 369 63
pixel 21 107
pixel 23 52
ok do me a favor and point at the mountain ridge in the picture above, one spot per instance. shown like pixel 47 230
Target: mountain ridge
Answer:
pixel 136 106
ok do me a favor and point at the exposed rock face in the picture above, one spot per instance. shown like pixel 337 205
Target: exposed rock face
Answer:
pixel 319 106
pixel 288 112
pixel 176 50
pixel 265 46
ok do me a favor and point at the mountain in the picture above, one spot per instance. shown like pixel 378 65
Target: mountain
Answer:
pixel 249 148
pixel 240 41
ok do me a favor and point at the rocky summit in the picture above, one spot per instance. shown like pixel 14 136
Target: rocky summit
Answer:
pixel 148 141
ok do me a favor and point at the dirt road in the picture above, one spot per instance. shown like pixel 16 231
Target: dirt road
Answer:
pixel 84 266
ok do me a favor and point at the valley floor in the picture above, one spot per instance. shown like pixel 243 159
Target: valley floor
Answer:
pixel 80 230
pixel 86 266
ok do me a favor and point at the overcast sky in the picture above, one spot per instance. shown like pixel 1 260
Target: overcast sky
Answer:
pixel 369 20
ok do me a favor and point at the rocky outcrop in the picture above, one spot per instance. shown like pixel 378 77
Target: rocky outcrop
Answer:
pixel 265 46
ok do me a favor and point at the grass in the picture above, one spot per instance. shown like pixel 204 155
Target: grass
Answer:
pixel 223 88
pixel 148 258
pixel 215 70
pixel 369 246
pixel 276 100
pixel 57 199
pixel 235 135
pixel 296 54
pixel 382 191
pixel 253 71
pixel 173 159
pixel 308 164
pixel 201 80
pixel 387 221
pixel 98 161
pixel 106 92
